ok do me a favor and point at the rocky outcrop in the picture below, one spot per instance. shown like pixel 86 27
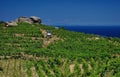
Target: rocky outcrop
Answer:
pixel 31 20
pixel 35 19
pixel 22 19
pixel 12 23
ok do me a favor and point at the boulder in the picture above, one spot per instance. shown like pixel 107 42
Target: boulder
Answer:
pixel 35 19
pixel 22 19
pixel 12 23
pixel 31 20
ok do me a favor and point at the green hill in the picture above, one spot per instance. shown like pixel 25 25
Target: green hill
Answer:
pixel 25 51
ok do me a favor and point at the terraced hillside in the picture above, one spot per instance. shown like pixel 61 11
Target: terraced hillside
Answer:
pixel 25 51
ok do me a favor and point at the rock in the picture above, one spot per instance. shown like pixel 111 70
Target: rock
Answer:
pixel 12 23
pixel 17 20
pixel 24 19
pixel 31 20
pixel 35 19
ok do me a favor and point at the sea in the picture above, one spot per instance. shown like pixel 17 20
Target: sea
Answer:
pixel 107 31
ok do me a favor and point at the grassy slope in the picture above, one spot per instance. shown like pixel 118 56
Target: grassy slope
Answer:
pixel 71 55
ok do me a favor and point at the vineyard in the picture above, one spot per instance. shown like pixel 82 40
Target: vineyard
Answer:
pixel 25 51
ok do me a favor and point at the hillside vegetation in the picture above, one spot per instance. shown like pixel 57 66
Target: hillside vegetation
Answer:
pixel 25 51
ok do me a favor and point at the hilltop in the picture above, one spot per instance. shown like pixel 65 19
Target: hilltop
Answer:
pixel 25 51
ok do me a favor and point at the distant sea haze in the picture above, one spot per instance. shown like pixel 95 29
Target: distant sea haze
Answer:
pixel 109 31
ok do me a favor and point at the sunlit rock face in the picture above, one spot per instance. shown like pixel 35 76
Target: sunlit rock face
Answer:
pixel 12 23
pixel 31 20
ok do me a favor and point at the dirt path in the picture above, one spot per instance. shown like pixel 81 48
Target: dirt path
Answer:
pixel 34 72
pixel 47 41
pixel 72 68
pixel 89 67
pixel 81 67
pixel 43 32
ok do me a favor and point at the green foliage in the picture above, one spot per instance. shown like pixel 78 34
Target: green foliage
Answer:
pixel 38 69
pixel 28 65
pixel 77 70
pixel 2 24
pixel 103 54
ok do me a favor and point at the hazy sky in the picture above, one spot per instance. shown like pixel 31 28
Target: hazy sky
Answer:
pixel 58 12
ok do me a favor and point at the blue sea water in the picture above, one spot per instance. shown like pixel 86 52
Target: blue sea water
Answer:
pixel 109 31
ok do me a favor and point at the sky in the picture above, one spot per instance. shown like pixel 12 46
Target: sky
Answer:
pixel 63 12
